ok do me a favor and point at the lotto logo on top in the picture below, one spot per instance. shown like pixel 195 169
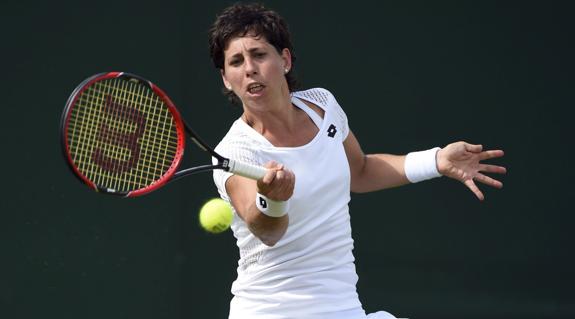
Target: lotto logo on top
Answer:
pixel 331 130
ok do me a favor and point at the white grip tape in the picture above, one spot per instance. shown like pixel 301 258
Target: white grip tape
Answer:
pixel 420 166
pixel 272 208
pixel 247 170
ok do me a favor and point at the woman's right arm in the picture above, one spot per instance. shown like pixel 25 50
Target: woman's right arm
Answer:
pixel 278 185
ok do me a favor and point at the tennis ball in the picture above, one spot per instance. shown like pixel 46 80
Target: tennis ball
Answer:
pixel 216 215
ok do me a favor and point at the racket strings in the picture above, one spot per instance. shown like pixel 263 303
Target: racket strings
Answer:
pixel 116 150
pixel 121 135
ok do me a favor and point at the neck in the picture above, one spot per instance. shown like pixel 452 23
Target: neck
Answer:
pixel 271 116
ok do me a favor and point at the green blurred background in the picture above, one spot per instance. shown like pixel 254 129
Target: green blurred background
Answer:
pixel 410 75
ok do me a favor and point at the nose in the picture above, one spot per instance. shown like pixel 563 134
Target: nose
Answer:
pixel 251 67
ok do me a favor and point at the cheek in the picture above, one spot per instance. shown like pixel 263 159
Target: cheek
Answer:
pixel 232 76
pixel 275 69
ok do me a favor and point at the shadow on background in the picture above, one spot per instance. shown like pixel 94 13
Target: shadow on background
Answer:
pixel 410 75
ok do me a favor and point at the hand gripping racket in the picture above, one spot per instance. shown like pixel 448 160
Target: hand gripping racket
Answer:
pixel 122 135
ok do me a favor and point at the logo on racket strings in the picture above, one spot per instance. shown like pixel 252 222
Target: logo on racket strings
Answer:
pixel 109 136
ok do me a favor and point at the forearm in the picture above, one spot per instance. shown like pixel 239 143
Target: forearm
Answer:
pixel 267 229
pixel 242 192
pixel 378 171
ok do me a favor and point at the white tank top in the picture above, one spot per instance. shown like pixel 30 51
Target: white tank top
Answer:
pixel 310 272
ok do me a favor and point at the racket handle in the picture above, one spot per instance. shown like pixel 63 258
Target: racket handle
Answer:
pixel 246 170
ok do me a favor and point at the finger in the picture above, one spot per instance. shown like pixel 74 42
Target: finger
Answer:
pixel 291 184
pixel 488 180
pixel 280 177
pixel 282 186
pixel 473 148
pixel 271 165
pixel 492 169
pixel 490 154
pixel 285 180
pixel 471 185
pixel 269 176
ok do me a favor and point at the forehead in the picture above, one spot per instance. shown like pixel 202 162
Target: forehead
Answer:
pixel 247 42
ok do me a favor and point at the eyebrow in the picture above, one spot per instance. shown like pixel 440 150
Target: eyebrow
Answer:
pixel 252 50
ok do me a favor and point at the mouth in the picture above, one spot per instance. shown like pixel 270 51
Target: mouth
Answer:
pixel 255 88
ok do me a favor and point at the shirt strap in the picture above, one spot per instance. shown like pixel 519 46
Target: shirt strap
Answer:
pixel 308 110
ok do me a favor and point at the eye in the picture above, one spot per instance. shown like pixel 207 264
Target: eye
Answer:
pixel 234 62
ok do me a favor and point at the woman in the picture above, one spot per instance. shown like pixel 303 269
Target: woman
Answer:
pixel 292 226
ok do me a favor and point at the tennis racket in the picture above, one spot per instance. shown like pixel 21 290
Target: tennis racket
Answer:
pixel 122 135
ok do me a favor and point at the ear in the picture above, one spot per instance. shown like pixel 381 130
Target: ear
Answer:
pixel 226 83
pixel 286 57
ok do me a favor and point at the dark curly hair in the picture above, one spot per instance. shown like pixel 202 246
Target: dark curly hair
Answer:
pixel 241 19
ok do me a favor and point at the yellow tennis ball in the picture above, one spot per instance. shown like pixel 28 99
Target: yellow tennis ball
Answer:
pixel 216 215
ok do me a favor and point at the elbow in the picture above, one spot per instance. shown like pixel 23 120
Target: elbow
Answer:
pixel 357 190
pixel 270 230
pixel 270 242
pixel 358 186
pixel 359 180
pixel 355 185
pixel 271 237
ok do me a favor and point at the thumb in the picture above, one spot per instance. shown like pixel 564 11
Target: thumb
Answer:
pixel 473 148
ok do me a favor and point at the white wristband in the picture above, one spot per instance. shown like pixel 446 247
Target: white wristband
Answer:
pixel 270 207
pixel 420 166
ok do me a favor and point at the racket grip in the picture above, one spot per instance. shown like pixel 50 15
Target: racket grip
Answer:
pixel 246 170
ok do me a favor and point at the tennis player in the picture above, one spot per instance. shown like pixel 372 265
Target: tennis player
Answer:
pixel 293 225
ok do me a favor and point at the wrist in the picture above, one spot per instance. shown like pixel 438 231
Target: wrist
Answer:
pixel 270 207
pixel 422 165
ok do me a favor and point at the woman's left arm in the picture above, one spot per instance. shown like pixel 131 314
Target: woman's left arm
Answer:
pixel 460 161
pixel 374 171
